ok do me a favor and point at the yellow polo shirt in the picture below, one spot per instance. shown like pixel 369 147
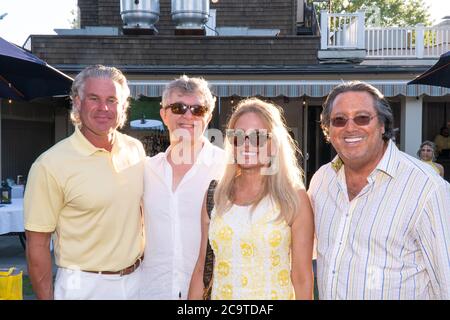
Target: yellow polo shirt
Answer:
pixel 90 198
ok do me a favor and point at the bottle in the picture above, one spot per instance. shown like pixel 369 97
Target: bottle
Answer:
pixel 5 192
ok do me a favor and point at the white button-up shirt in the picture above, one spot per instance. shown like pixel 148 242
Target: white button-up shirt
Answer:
pixel 173 222
pixel 392 240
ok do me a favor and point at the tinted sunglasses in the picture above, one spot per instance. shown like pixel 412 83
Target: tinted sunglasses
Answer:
pixel 361 120
pixel 257 138
pixel 180 108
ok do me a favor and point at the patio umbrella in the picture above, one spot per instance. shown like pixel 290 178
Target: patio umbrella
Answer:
pixel 146 124
pixel 437 75
pixel 23 76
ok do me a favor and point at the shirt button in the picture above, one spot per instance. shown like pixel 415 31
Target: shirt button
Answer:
pixel 334 272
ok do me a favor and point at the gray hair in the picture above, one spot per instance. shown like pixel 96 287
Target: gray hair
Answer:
pixel 99 71
pixel 190 86
pixel 429 143
pixel 382 107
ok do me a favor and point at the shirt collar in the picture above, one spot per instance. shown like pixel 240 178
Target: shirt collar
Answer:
pixel 86 148
pixel 337 164
pixel 387 164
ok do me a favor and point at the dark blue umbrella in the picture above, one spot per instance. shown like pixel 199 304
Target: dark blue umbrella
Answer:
pixel 437 75
pixel 23 76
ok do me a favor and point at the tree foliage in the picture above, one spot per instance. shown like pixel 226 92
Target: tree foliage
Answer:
pixel 384 13
pixel 74 20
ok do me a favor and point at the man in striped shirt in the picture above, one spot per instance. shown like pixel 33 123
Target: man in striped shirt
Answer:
pixel 382 217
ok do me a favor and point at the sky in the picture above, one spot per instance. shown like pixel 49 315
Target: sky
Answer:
pixel 25 17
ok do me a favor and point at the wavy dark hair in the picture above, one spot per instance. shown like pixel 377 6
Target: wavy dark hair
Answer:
pixel 382 107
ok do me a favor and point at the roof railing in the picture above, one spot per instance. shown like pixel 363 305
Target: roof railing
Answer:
pixel 348 31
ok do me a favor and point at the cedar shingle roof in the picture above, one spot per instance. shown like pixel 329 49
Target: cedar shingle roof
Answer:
pixel 176 50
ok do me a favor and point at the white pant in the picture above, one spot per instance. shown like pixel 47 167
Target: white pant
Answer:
pixel 78 285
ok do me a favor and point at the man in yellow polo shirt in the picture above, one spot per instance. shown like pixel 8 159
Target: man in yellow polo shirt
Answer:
pixel 86 191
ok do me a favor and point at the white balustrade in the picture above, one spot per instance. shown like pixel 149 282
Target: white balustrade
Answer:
pixel 342 30
pixel 348 31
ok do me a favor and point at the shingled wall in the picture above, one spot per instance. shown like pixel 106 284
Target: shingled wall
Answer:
pixel 88 13
pixel 266 14
pixel 278 14
pixel 176 50
pixel 109 13
pixel 165 24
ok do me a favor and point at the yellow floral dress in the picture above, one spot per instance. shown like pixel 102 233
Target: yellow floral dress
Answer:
pixel 252 254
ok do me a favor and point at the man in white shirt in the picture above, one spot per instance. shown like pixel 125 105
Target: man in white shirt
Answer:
pixel 175 185
pixel 382 217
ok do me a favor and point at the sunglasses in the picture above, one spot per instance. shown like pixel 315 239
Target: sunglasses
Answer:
pixel 257 138
pixel 180 108
pixel 361 120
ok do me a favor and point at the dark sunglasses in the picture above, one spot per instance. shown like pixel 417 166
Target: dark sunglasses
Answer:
pixel 256 137
pixel 361 120
pixel 180 108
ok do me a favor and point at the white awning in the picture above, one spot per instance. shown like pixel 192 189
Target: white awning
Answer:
pixel 245 88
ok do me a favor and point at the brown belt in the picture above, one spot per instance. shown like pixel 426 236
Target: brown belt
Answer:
pixel 122 272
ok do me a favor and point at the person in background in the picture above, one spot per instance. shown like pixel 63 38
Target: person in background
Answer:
pixel 382 219
pixel 175 183
pixel 261 228
pixel 442 142
pixel 427 153
pixel 86 190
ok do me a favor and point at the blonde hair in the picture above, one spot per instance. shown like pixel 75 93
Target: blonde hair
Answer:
pixel 429 143
pixel 286 180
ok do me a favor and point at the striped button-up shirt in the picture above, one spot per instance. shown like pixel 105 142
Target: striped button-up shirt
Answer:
pixel 392 240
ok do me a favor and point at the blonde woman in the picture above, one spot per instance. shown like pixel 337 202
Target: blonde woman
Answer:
pixel 261 227
pixel 427 153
